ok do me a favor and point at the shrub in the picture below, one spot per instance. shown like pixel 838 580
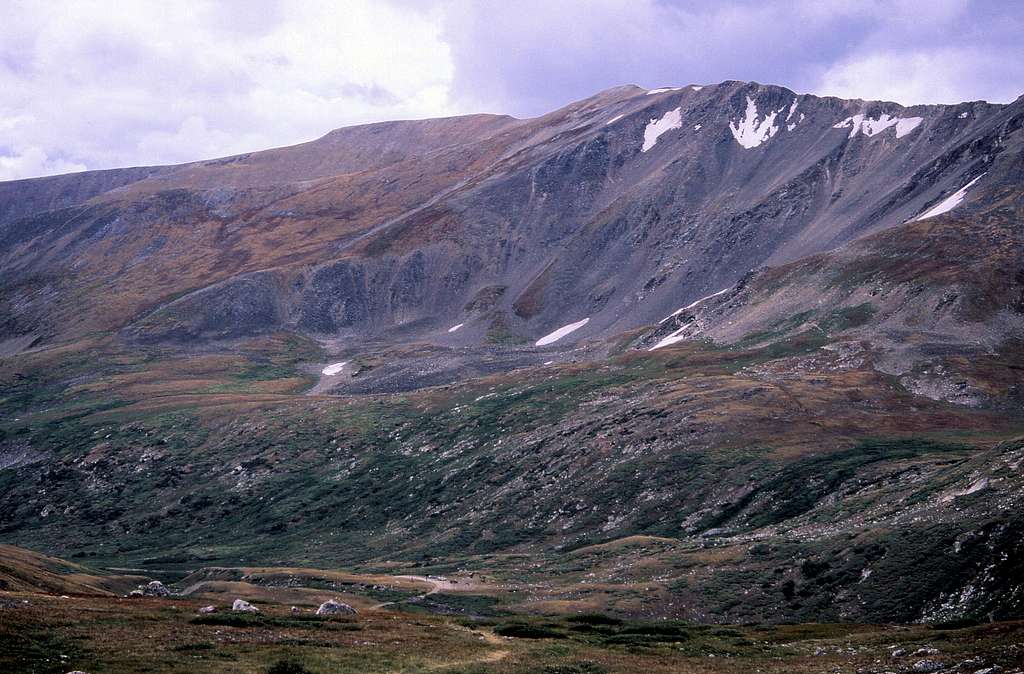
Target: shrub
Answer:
pixel 594 619
pixel 524 631
pixel 288 667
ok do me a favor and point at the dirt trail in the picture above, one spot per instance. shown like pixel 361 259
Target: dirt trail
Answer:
pixel 500 653
pixel 436 585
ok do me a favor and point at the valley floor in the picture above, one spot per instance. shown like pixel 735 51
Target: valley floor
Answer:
pixel 50 633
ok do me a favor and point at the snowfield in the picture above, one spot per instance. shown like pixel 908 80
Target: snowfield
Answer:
pixel 334 369
pixel 676 336
pixel 873 127
pixel 673 119
pixel 950 202
pixel 455 327
pixel 553 337
pixel 748 132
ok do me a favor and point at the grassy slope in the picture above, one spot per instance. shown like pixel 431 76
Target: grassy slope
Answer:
pixel 170 461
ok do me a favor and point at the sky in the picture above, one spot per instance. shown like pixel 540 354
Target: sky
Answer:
pixel 100 84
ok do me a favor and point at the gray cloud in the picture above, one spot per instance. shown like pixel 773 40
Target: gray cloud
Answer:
pixel 531 55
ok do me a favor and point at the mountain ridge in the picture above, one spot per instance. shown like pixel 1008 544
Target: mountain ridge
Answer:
pixel 580 125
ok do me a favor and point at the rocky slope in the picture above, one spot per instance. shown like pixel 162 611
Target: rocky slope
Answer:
pixel 617 209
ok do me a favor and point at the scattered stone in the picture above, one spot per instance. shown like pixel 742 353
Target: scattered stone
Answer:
pixel 243 606
pixel 296 610
pixel 208 609
pixel 927 666
pixel 927 650
pixel 989 670
pixel 332 607
pixel 898 653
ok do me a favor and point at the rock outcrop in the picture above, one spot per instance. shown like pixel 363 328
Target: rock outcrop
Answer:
pixel 242 606
pixel 333 607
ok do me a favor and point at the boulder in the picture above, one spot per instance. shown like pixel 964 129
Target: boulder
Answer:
pixel 296 610
pixel 332 607
pixel 208 609
pixel 927 666
pixel 155 589
pixel 242 606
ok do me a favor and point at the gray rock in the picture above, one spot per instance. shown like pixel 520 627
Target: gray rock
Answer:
pixel 927 666
pixel 332 607
pixel 242 606
pixel 208 609
pixel 155 589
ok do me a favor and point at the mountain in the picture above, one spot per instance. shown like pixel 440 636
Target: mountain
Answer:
pixel 611 209
pixel 723 353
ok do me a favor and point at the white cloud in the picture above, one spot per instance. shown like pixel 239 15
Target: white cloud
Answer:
pixel 926 76
pixel 147 82
pixel 33 161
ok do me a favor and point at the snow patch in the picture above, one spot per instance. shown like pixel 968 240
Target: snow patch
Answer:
pixel 553 337
pixel 962 115
pixel 906 125
pixel 873 127
pixel 696 127
pixel 950 202
pixel 614 119
pixel 334 369
pixel 748 132
pixel 792 109
pixel 696 87
pixel 676 336
pixel 673 119
pixel 455 327
pixel 662 90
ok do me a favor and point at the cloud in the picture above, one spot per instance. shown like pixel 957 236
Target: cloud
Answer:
pixel 86 85
pixel 928 76
pixel 939 52
pixel 531 56
pixel 33 161
pixel 151 83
